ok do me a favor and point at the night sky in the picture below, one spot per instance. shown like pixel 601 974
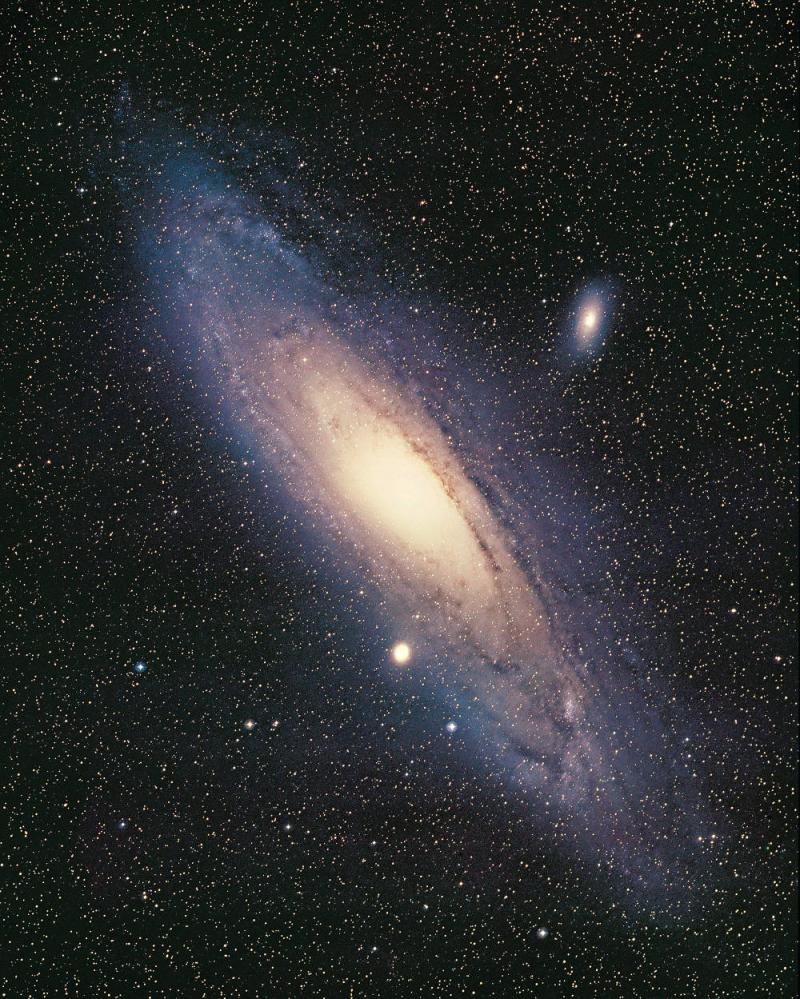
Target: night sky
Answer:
pixel 399 448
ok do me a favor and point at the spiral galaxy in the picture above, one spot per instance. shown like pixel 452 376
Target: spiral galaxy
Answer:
pixel 352 445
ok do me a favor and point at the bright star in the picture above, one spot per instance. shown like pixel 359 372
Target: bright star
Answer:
pixel 401 653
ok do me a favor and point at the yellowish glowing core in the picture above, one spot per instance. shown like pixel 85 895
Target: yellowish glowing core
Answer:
pixel 367 462
pixel 589 320
pixel 396 491
pixel 401 653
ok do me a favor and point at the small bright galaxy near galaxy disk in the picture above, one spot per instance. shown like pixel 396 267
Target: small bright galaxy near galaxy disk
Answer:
pixel 346 434
pixel 591 319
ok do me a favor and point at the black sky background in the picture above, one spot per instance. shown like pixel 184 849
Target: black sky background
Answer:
pixel 649 145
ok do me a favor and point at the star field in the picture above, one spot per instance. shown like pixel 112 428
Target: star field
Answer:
pixel 254 749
